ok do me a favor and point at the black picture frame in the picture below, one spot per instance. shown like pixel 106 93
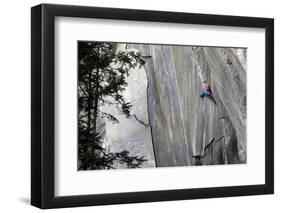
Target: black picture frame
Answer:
pixel 43 105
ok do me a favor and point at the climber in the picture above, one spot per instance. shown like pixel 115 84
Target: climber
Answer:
pixel 207 92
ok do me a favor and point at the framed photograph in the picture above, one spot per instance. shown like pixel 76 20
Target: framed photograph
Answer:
pixel 139 106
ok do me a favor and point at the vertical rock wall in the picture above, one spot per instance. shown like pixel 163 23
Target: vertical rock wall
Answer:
pixel 133 133
pixel 170 124
pixel 186 128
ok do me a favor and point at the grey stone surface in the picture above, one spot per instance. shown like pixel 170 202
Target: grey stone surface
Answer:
pixel 170 124
pixel 182 123
pixel 133 133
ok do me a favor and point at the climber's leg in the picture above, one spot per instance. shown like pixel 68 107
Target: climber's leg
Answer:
pixel 213 98
pixel 203 94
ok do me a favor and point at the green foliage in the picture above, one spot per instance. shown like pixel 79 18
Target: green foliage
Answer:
pixel 102 79
pixel 103 160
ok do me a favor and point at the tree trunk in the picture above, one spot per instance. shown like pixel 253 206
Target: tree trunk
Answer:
pixel 96 99
pixel 89 117
pixel 96 102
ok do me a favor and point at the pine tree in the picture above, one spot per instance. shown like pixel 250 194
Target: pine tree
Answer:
pixel 102 79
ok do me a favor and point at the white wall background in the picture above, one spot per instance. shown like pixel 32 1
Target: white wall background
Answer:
pixel 15 105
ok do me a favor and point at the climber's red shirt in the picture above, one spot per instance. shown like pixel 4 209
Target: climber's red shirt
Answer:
pixel 208 89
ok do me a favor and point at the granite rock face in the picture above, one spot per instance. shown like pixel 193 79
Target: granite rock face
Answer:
pixel 133 133
pixel 171 125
